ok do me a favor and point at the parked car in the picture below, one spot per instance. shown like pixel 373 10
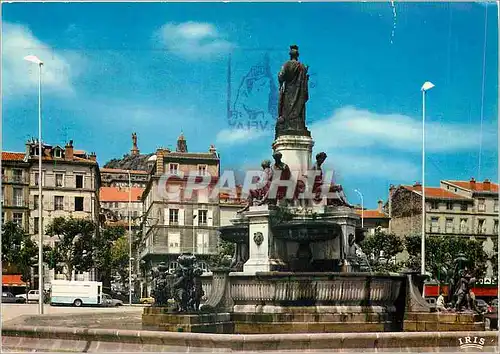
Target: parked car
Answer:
pixel 147 300
pixel 491 317
pixel 108 301
pixel 482 305
pixel 9 298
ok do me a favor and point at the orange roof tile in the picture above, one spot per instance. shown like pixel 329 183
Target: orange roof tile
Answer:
pixel 435 193
pixel 477 187
pixel 117 194
pixel 79 152
pixel 12 156
pixel 117 170
pixel 372 214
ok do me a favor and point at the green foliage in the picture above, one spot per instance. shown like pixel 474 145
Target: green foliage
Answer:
pixel 224 249
pixel 380 249
pixel 18 249
pixel 103 259
pixel 440 251
pixel 120 258
pixel 74 244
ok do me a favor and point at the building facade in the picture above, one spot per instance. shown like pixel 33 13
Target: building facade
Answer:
pixel 70 187
pixel 178 224
pixel 455 208
pixel 374 218
pixel 116 177
pixel 15 189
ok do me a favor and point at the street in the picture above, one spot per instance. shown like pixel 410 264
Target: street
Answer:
pixel 11 311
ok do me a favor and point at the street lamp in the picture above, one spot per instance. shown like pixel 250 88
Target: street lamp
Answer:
pixel 194 237
pixel 35 60
pixel 362 208
pixel 425 87
pixel 129 241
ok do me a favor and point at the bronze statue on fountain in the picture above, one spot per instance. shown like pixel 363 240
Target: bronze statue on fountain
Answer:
pixel 183 286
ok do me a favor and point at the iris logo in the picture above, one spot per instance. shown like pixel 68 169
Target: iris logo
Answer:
pixel 471 342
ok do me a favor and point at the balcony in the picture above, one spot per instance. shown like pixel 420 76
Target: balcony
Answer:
pixel 15 203
pixel 15 179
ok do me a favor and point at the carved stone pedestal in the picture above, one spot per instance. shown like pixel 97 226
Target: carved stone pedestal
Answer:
pixel 296 151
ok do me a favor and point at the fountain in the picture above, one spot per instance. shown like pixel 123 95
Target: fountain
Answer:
pixel 297 266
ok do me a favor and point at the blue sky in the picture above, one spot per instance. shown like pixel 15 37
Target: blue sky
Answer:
pixel 157 69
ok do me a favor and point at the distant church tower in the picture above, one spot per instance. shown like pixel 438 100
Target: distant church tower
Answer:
pixel 181 144
pixel 135 149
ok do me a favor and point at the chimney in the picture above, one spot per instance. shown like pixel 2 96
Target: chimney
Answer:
pixel 380 205
pixel 69 150
pixel 487 185
pixel 472 183
pixel 417 184
pixel 212 149
pixel 93 156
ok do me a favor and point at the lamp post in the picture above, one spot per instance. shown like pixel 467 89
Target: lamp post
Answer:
pixel 194 237
pixel 35 60
pixel 425 87
pixel 129 241
pixel 362 208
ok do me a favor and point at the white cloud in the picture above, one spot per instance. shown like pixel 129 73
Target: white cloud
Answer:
pixel 19 75
pixel 346 164
pixel 238 136
pixel 351 127
pixel 193 40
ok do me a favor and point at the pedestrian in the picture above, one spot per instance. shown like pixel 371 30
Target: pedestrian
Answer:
pixel 440 304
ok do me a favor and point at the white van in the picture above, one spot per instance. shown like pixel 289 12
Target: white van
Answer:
pixel 76 293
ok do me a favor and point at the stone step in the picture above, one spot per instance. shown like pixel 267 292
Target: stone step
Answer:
pixel 323 327
pixel 443 317
pixel 311 317
pixel 429 326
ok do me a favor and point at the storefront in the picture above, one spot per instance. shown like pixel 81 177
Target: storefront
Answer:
pixel 13 283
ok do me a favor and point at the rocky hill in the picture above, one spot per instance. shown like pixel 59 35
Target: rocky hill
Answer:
pixel 130 162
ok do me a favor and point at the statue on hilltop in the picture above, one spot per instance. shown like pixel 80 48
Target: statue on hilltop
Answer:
pixel 293 81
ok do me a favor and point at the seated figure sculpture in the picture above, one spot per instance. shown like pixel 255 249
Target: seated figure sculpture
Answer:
pixel 258 196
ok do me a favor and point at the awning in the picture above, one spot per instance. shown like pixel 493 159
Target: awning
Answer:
pixel 12 280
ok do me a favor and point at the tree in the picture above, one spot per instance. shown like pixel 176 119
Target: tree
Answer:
pixel 381 249
pixel 224 249
pixel 74 245
pixel 120 259
pixel 18 249
pixel 103 260
pixel 440 251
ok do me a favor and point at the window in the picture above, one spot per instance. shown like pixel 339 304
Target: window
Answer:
pixel 173 216
pixel 17 218
pixel 58 203
pixel 495 227
pixel 480 205
pixel 434 205
pixel 59 179
pixel 449 225
pixel 17 175
pixel 36 226
pixel 3 193
pixel 495 205
pixel 3 218
pixel 18 197
pixel 173 168
pixel 37 178
pixel 449 205
pixel 79 181
pixel 202 170
pixel 434 224
pixel 78 203
pixel 58 153
pixel 202 215
pixel 202 242
pixel 174 242
pixel 463 207
pixel 463 226
pixel 480 226
pixel 36 199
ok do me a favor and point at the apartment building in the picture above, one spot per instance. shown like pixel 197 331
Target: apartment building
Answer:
pixel 455 208
pixel 15 189
pixel 114 202
pixel 70 182
pixel 187 223
pixel 117 177
pixel 374 218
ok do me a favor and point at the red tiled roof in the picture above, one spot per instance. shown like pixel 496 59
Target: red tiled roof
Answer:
pixel 476 187
pixel 117 194
pixel 435 193
pixel 117 170
pixel 12 156
pixel 79 152
pixel 372 214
